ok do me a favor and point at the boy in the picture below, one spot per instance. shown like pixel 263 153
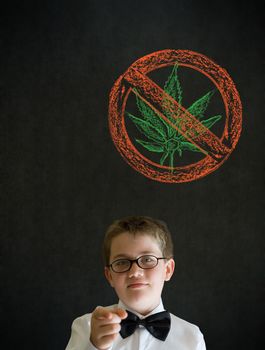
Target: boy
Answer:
pixel 138 253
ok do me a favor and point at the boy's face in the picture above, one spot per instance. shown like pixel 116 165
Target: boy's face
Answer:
pixel 139 289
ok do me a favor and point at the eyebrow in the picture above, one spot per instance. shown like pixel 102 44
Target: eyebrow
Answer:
pixel 127 256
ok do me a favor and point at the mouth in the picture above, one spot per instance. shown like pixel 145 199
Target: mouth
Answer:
pixel 137 285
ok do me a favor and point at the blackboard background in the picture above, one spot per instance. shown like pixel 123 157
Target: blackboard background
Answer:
pixel 66 181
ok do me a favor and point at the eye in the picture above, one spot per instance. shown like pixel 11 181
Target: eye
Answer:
pixel 148 260
pixel 120 263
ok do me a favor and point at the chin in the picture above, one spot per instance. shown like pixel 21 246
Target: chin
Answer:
pixel 140 304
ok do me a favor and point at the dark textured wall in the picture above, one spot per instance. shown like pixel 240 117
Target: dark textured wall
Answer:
pixel 66 181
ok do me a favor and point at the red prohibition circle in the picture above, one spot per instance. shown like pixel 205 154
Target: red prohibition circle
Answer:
pixel 217 150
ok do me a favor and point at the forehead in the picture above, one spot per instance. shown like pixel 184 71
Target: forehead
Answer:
pixel 133 245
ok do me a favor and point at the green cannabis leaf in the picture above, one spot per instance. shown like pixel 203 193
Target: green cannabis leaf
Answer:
pixel 161 137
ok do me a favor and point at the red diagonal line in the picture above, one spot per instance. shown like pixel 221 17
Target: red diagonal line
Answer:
pixel 192 129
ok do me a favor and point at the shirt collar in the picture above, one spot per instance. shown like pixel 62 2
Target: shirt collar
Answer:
pixel 159 308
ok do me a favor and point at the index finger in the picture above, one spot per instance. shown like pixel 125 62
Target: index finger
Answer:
pixel 102 313
pixel 108 313
pixel 120 312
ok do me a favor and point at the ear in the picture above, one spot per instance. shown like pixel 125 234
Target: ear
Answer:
pixel 108 275
pixel 169 269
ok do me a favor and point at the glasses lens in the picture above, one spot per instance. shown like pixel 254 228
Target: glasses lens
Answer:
pixel 147 261
pixel 121 265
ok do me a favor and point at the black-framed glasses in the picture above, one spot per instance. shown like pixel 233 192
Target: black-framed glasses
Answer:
pixel 144 262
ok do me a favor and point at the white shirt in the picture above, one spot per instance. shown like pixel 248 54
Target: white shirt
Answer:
pixel 182 335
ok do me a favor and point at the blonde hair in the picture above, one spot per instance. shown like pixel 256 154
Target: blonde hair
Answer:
pixel 139 225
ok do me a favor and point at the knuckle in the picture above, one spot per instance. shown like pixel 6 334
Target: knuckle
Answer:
pixel 116 327
pixel 113 328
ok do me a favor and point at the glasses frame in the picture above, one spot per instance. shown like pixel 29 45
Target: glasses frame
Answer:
pixel 131 261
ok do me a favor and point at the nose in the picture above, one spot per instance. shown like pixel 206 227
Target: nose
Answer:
pixel 135 270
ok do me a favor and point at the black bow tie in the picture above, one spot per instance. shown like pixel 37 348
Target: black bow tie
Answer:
pixel 158 324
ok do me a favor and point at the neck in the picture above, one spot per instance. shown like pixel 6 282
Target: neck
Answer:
pixel 144 312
